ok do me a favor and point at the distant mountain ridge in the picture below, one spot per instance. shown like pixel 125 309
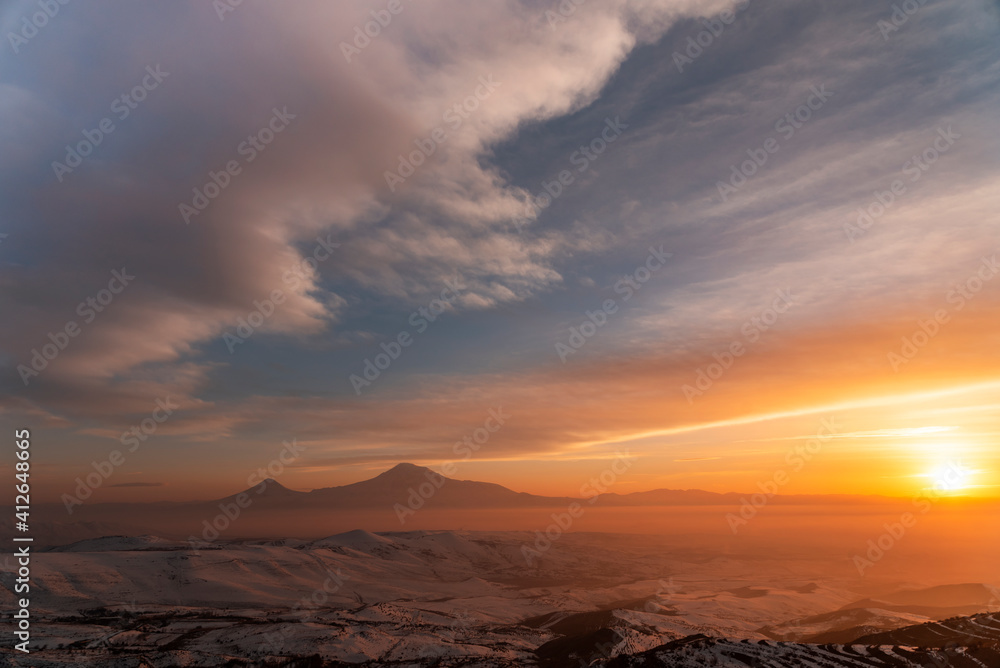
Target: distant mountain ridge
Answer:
pixel 411 486
pixel 408 487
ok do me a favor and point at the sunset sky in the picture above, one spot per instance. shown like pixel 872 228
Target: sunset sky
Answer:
pixel 853 272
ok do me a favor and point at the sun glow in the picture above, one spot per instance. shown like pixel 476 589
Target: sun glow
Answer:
pixel 951 477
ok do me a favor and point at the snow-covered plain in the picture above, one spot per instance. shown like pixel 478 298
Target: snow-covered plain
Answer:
pixel 416 598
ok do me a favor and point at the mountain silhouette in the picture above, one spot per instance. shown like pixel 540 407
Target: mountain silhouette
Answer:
pixel 409 484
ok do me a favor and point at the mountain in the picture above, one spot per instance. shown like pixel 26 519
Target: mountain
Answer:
pixel 961 642
pixel 935 602
pixel 869 617
pixel 120 544
pixel 456 598
pixel 406 484
pixel 981 630
pixel 700 651
pixel 948 596
pixel 840 626
pixel 60 532
pixel 385 502
pixel 400 483
pixel 411 485
pixel 268 491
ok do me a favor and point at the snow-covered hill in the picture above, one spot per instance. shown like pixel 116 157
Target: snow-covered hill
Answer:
pixel 413 598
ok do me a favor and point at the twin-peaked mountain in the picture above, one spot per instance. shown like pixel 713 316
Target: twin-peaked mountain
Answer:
pixel 415 486
pixel 407 484
pixel 385 501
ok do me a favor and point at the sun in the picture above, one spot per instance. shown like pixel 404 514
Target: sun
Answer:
pixel 951 477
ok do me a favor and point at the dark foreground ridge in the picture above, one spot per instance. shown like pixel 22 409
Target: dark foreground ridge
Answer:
pixel 698 651
pixel 960 642
pixel 977 629
pixel 592 639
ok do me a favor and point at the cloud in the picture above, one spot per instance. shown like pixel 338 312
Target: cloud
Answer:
pixel 346 124
pixel 530 91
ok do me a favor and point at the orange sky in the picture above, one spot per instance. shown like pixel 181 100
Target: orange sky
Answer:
pixel 564 226
pixel 896 432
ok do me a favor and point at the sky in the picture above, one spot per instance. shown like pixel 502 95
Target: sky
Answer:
pixel 730 239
